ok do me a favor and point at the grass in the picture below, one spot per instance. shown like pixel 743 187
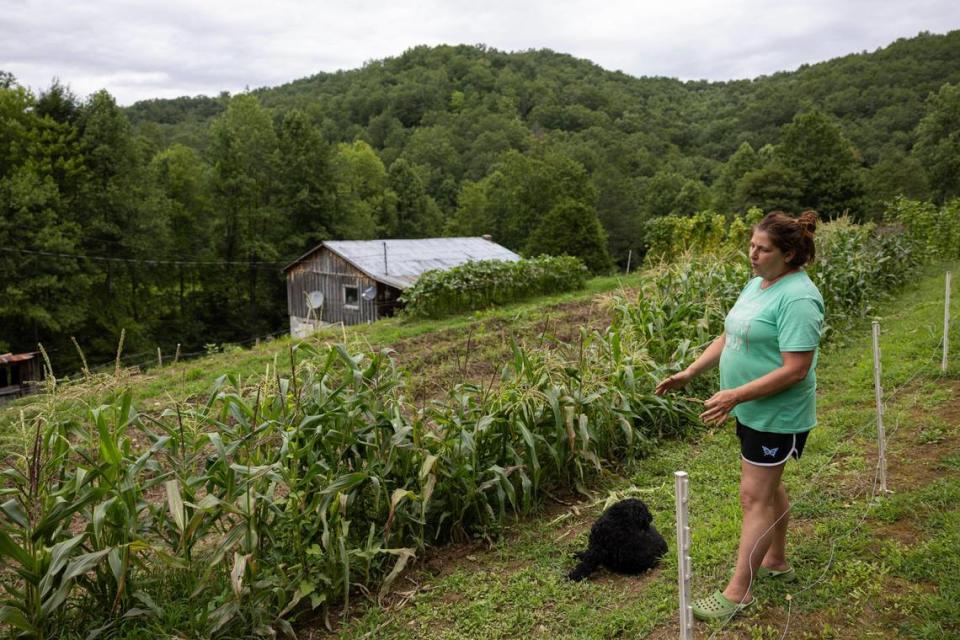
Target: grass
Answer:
pixel 884 566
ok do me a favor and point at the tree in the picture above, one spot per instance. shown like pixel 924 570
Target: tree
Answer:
pixel 774 187
pixel 113 207
pixel 743 160
pixel 897 174
pixel 669 193
pixel 619 212
pixel 524 188
pixel 58 102
pixel 43 298
pixel 474 216
pixel 433 152
pixel 305 185
pixel 246 159
pixel 938 142
pixel 360 183
pixel 572 228
pixel 411 213
pixel 183 182
pixel 815 148
pixel 693 197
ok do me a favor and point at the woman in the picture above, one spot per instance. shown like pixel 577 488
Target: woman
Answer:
pixel 767 355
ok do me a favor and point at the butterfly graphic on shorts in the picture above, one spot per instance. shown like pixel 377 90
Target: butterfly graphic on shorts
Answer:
pixel 769 452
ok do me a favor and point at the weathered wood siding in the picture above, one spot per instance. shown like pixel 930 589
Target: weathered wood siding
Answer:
pixel 327 272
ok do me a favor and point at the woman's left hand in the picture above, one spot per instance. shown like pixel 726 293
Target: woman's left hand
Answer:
pixel 718 406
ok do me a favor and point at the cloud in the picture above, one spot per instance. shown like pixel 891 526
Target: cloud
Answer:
pixel 139 50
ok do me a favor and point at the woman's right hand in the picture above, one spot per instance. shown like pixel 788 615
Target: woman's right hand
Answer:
pixel 676 381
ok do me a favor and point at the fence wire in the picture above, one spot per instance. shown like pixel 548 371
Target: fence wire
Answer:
pixel 834 541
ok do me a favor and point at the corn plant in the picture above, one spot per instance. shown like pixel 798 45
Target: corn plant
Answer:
pixel 681 306
pixel 43 493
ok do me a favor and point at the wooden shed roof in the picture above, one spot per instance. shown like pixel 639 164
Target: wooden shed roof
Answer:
pixel 399 263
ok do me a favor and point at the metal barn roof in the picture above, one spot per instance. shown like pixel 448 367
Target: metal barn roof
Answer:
pixel 399 263
pixel 11 358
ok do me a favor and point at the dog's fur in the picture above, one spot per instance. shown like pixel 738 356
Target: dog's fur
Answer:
pixel 623 539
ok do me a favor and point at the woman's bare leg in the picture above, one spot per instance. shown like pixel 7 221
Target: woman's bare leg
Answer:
pixel 759 487
pixel 776 557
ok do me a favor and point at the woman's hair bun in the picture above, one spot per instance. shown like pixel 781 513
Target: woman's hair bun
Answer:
pixel 808 221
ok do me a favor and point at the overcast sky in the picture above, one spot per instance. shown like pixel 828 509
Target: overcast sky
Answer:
pixel 138 50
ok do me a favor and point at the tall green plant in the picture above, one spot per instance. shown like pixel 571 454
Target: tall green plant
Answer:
pixel 480 284
pixel 43 492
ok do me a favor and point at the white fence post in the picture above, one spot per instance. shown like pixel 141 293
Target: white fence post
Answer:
pixel 682 490
pixel 878 390
pixel 946 325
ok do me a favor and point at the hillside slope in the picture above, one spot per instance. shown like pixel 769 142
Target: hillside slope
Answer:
pixel 437 354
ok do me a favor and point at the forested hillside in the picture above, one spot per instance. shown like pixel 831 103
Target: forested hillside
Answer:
pixel 171 219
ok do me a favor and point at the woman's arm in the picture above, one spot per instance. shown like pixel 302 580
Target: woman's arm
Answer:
pixel 796 365
pixel 707 360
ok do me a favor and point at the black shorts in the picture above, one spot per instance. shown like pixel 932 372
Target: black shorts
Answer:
pixel 766 449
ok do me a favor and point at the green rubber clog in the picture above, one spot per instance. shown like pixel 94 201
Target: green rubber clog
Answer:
pixel 787 575
pixel 717 607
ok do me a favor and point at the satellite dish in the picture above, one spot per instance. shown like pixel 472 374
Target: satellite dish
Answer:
pixel 314 305
pixel 369 293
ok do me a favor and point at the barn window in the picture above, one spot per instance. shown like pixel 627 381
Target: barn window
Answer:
pixel 351 297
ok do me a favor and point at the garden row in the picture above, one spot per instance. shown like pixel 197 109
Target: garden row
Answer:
pixel 291 491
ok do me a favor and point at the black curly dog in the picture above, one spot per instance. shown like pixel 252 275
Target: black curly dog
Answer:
pixel 623 539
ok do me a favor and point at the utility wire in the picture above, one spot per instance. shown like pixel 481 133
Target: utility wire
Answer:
pixel 149 261
pixel 154 262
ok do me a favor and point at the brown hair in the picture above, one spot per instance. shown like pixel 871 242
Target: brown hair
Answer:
pixel 791 234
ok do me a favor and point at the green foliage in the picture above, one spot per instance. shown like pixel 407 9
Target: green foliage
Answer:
pixel 814 147
pixel 287 494
pixel 938 142
pixel 856 265
pixel 41 159
pixel 669 193
pixel 360 182
pixel 773 187
pixel 681 306
pixel 743 160
pixel 934 232
pixel 571 228
pixel 77 473
pixel 519 192
pixel 306 182
pixel 669 237
pixel 480 284
pixel 411 212
pixel 897 174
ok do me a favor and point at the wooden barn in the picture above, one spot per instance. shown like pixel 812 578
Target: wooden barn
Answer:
pixel 20 374
pixel 355 281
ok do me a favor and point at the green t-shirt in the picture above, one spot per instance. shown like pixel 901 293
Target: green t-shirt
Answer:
pixel 786 316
